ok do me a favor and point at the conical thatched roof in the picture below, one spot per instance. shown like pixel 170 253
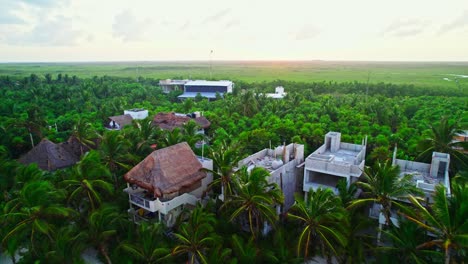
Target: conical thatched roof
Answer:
pixel 167 170
pixel 50 156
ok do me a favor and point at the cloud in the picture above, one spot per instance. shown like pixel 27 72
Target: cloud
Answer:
pixel 459 22
pixel 127 27
pixel 45 3
pixel 232 23
pixel 217 16
pixel 406 28
pixel 9 13
pixel 307 32
pixel 57 31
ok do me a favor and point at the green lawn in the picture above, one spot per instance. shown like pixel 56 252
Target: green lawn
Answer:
pixel 417 73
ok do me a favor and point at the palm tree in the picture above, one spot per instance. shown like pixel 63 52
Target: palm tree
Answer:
pixel 149 245
pixel 446 220
pixel 35 212
pixel 225 158
pixel 84 133
pixel 88 180
pixel 383 185
pixel 405 240
pixel 173 137
pixel 68 246
pixel 441 140
pixel 145 135
pixel 254 199
pixel 196 236
pixel 191 134
pixel 323 222
pixel 101 227
pixel 114 153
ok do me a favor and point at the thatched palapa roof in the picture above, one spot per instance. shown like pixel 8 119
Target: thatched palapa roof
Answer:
pixel 169 121
pixel 50 156
pixel 167 170
pixel 122 120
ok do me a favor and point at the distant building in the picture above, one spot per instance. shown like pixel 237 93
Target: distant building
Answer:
pixel 169 121
pixel 169 85
pixel 461 137
pixel 282 164
pixel 333 161
pixel 279 93
pixel 137 113
pixel 118 122
pixel 165 183
pixel 207 89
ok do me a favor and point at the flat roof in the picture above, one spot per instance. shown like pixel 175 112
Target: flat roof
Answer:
pixel 342 156
pixel 193 95
pixel 208 83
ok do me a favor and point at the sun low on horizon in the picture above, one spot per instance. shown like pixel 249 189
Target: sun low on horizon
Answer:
pixel 84 30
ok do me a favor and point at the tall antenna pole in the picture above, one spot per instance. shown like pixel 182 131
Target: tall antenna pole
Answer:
pixel 211 52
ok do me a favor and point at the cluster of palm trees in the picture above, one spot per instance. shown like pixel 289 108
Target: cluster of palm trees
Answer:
pixel 55 217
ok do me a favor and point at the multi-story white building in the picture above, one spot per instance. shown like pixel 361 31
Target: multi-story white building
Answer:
pixel 333 161
pixel 165 182
pixel 169 85
pixel 282 163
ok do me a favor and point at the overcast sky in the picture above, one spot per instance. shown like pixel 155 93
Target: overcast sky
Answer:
pixel 114 30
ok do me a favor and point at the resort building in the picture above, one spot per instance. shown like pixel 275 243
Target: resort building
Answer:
pixel 169 85
pixel 279 93
pixel 207 89
pixel 165 183
pixel 334 161
pixel 169 121
pixel 282 163
pixel 118 122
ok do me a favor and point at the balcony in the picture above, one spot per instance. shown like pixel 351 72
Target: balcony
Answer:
pixel 141 199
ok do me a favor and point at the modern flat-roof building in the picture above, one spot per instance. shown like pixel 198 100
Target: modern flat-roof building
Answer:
pixel 425 176
pixel 282 163
pixel 169 85
pixel 207 89
pixel 333 161
pixel 279 93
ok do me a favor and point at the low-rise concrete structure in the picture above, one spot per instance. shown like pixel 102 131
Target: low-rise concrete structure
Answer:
pixel 333 161
pixel 282 163
pixel 279 93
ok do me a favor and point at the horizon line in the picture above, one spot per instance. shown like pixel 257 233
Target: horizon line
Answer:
pixel 254 60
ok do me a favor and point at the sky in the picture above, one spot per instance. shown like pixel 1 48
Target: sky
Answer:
pixel 154 30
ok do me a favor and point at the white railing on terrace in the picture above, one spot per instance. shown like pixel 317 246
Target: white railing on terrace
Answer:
pixel 166 206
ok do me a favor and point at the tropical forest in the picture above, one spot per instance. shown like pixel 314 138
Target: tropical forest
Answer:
pixel 79 214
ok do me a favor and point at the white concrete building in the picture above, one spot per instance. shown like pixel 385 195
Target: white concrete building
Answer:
pixel 206 89
pixel 333 161
pixel 165 182
pixel 137 113
pixel 279 93
pixel 425 176
pixel 169 85
pixel 282 163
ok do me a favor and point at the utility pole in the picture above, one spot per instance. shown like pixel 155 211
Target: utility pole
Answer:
pixel 211 52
